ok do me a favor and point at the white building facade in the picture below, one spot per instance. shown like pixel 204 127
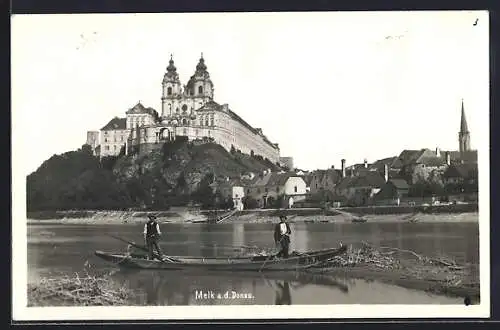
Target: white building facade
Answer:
pixel 188 111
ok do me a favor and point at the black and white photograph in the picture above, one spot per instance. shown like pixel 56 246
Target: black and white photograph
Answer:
pixel 182 166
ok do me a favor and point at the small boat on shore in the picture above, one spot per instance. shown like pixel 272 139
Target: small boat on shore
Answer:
pixel 251 263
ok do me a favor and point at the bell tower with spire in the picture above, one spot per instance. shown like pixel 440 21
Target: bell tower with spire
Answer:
pixel 464 134
pixel 172 90
pixel 200 87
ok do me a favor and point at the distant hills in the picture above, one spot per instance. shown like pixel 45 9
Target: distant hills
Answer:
pixel 177 174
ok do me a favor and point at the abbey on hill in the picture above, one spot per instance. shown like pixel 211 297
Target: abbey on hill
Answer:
pixel 187 110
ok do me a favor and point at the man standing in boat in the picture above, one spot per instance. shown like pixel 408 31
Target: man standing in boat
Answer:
pixel 282 233
pixel 151 236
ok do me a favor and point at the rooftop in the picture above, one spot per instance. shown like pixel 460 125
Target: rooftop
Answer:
pixel 212 105
pixel 139 108
pixel 115 124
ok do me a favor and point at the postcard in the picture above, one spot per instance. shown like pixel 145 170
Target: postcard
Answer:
pixel 250 165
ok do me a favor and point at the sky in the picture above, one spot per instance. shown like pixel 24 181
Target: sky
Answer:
pixel 325 86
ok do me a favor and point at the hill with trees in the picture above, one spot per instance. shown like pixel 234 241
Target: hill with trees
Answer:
pixel 179 173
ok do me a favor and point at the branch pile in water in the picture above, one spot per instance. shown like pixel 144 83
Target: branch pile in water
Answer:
pixel 77 291
pixel 405 262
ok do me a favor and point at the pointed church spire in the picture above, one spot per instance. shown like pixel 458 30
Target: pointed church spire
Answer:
pixel 464 134
pixel 463 120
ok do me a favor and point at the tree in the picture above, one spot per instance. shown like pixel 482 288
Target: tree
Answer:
pixel 205 194
pixel 87 149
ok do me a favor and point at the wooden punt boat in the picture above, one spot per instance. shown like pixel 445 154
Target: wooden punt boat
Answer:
pixel 254 263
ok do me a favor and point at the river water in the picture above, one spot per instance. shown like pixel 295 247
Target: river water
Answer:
pixel 66 249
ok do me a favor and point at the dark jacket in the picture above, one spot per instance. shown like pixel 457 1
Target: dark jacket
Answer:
pixel 151 230
pixel 277 231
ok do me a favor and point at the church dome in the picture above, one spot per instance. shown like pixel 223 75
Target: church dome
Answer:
pixel 171 67
pixel 201 65
pixel 171 73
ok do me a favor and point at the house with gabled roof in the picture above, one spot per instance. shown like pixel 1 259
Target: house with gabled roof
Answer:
pixel 270 187
pixel 418 164
pixel 139 115
pixel 392 192
pixel 324 180
pixel 360 189
pixel 114 137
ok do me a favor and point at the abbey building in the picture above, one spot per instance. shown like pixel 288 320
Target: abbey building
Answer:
pixel 186 110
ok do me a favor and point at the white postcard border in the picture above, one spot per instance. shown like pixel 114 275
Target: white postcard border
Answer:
pixel 20 311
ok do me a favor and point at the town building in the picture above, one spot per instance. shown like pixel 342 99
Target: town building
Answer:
pixel 461 178
pixel 393 165
pixel 233 190
pixel 324 180
pixel 186 111
pixel 359 189
pixel 392 192
pixel 114 137
pixel 278 189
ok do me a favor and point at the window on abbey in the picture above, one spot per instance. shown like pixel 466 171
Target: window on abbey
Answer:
pixel 200 90
pixel 212 122
pixel 206 122
pixel 295 188
pixel 184 108
pixel 184 121
pixel 169 91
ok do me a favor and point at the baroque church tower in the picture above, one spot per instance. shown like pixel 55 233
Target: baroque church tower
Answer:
pixel 464 134
pixel 181 101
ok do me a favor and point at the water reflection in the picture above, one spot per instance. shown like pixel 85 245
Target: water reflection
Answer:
pixel 195 288
pixel 283 295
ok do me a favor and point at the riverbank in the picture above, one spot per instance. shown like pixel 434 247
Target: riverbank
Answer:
pixel 447 213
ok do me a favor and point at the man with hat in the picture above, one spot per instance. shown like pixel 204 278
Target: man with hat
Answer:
pixel 151 236
pixel 281 236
